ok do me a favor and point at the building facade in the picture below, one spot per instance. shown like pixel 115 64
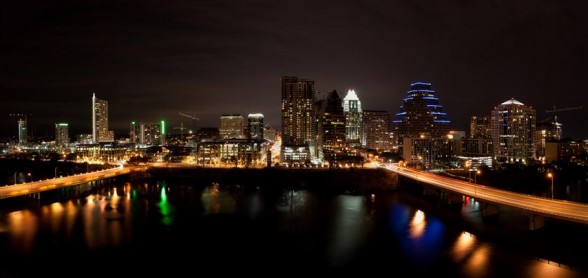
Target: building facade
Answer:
pixel 62 134
pixel 375 133
pixel 421 114
pixel 100 132
pixel 255 126
pixel 23 134
pixel 299 127
pixel 480 127
pixel 231 126
pixel 353 117
pixel 513 132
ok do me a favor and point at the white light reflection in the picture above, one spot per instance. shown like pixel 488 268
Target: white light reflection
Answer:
pixel 418 225
pixel 463 246
pixel 348 229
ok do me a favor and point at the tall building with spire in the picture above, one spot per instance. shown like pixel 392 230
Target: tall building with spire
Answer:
pixel 513 132
pixel 421 115
pixel 353 116
pixel 100 132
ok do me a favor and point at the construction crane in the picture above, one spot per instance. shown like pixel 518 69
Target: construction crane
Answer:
pixel 556 110
pixel 193 117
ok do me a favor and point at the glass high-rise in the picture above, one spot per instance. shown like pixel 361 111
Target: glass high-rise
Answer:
pixel 255 126
pixel 333 122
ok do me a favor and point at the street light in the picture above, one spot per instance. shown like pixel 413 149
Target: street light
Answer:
pixel 55 172
pixel 551 176
pixel 14 177
pixel 476 176
pixel 30 176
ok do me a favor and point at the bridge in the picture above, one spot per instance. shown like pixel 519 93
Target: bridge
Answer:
pixel 533 206
pixel 37 187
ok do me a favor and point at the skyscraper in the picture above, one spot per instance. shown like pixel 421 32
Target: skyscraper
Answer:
pixel 255 126
pixel 22 131
pixel 100 132
pixel 480 127
pixel 375 133
pixel 61 134
pixel 299 125
pixel 352 111
pixel 333 122
pixel 421 114
pixel 298 98
pixel 513 131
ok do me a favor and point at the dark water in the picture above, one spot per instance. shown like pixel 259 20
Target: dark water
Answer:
pixel 176 229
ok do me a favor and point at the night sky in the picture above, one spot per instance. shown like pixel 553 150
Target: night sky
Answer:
pixel 153 59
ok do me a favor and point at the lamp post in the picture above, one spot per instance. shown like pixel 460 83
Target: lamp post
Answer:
pixel 14 177
pixel 476 176
pixel 55 172
pixel 30 176
pixel 551 176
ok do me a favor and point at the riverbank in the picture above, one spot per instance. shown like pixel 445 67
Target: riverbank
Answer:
pixel 351 180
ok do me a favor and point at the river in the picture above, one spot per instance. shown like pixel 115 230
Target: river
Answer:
pixel 180 228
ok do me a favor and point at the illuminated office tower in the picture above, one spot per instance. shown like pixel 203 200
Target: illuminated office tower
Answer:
pixel 231 126
pixel 22 131
pixel 100 132
pixel 134 132
pixel 298 117
pixel 299 127
pixel 333 122
pixel 61 134
pixel 513 131
pixel 352 111
pixel 480 127
pixel 421 114
pixel 375 133
pixel 255 126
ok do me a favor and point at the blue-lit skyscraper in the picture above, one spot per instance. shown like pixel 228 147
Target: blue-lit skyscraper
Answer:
pixel 421 114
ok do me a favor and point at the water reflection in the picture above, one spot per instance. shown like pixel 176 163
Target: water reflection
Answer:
pixel 420 237
pixel 23 226
pixel 348 228
pixel 217 201
pixel 300 225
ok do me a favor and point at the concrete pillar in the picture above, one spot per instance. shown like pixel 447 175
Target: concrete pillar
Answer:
pixel 488 209
pixel 450 198
pixel 536 222
pixel 429 190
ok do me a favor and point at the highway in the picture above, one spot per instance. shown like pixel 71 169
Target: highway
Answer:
pixel 566 210
pixel 50 184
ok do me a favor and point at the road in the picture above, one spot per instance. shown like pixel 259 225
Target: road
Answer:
pixel 50 184
pixel 561 209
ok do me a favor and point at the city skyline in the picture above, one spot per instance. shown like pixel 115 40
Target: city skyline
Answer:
pixel 153 60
